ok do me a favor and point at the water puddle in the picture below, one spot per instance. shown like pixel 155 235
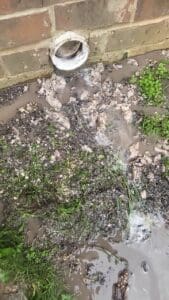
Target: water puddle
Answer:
pixel 135 269
pixel 149 265
pixel 98 273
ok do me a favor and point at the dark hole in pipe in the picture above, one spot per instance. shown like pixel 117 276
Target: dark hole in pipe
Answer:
pixel 69 49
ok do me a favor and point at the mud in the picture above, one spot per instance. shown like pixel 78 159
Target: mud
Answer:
pixel 87 125
pixel 133 269
pixel 99 272
pixel 127 67
pixel 33 229
pixel 148 263
pixel 8 111
pixel 8 95
pixel 149 110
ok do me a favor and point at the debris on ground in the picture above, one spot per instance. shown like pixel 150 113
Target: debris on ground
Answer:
pixel 84 158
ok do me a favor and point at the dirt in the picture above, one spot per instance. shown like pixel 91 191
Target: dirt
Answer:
pixel 134 269
pixel 33 230
pixel 148 264
pixel 98 274
pixel 8 111
pixel 1 211
pixel 87 124
pixel 8 95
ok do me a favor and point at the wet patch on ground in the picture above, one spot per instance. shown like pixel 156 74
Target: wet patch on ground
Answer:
pixel 76 162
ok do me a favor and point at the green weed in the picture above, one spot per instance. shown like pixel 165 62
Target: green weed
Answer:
pixel 150 83
pixel 70 207
pixel 156 125
pixel 28 267
pixel 132 193
pixel 166 164
pixel 32 184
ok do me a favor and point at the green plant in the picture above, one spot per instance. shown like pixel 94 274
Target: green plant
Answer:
pixel 29 267
pixel 132 193
pixel 70 207
pixel 166 164
pixel 161 71
pixel 156 125
pixel 33 183
pixel 150 83
pixel 151 87
pixel 66 297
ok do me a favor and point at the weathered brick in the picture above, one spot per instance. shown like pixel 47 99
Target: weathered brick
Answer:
pixel 24 30
pixel 89 14
pixel 51 2
pixel 10 6
pixel 24 62
pixel 121 39
pixel 149 9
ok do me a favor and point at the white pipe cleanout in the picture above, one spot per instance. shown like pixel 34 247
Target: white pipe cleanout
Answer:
pixel 72 62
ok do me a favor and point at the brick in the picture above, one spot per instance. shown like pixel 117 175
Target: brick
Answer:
pixel 149 9
pixel 24 30
pixel 10 6
pixel 51 2
pixel 121 39
pixel 89 14
pixel 24 62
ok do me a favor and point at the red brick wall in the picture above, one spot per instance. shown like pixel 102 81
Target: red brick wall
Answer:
pixel 27 26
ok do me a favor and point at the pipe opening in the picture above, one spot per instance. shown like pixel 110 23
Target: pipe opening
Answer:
pixel 69 51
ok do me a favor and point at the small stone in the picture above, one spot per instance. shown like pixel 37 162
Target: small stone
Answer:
pixel 165 53
pixel 117 67
pixel 144 266
pixel 157 158
pixel 55 156
pixel 102 139
pixel 136 173
pixel 21 110
pixel 148 158
pixel 60 119
pixel 87 148
pixel 84 96
pixel 72 99
pixel 132 61
pixel 162 151
pixel 134 150
pixel 25 89
pixel 144 195
pixel 130 93
pixel 39 81
pixel 128 116
pixel 151 177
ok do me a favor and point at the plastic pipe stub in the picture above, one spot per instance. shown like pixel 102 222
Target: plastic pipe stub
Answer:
pixel 69 51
